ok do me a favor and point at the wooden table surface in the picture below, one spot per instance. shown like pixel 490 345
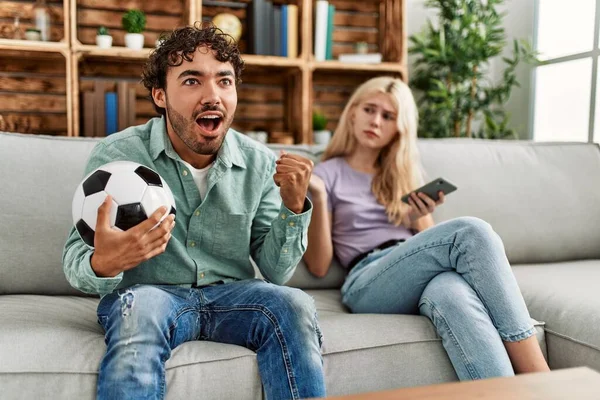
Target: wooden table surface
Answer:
pixel 580 383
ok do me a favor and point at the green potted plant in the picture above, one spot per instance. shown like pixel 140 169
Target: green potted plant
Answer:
pixel 454 95
pixel 134 23
pixel 103 38
pixel 320 133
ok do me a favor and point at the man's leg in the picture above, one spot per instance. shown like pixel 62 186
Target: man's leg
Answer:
pixel 279 323
pixel 142 324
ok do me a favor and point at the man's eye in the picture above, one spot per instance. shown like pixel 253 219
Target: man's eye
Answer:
pixel 227 82
pixel 190 81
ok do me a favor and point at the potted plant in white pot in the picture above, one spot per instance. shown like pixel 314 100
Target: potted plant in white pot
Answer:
pixel 320 133
pixel 103 39
pixel 134 23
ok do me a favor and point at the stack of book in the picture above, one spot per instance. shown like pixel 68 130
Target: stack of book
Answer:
pixel 324 13
pixel 105 112
pixel 273 29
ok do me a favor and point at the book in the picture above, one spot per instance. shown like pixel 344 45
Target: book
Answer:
pixel 110 113
pixel 88 115
pixel 320 39
pixel 369 58
pixel 283 32
pixel 329 42
pixel 276 39
pixel 257 36
pixel 99 108
pixel 292 31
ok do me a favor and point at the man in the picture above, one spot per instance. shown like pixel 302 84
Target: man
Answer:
pixel 192 279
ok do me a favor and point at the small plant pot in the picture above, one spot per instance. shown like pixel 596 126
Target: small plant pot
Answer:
pixel 321 137
pixel 33 35
pixel 104 41
pixel 134 41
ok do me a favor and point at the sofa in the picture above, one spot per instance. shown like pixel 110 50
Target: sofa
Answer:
pixel 542 198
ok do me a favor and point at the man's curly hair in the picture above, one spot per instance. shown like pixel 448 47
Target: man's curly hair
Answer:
pixel 180 45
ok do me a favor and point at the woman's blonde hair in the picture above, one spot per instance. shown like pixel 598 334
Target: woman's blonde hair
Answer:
pixel 398 166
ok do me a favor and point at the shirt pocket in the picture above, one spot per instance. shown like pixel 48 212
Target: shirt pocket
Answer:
pixel 232 236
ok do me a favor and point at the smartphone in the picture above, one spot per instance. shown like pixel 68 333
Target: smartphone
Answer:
pixel 432 188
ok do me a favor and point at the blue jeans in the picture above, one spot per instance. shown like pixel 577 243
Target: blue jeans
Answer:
pixel 457 274
pixel 144 323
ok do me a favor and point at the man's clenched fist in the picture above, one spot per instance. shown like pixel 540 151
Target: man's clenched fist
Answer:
pixel 292 175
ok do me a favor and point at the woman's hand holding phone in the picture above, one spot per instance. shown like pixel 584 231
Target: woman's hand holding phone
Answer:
pixel 422 205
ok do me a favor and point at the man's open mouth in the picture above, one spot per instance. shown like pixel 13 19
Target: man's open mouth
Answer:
pixel 209 123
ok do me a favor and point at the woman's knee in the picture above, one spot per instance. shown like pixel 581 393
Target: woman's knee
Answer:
pixel 476 232
pixel 447 293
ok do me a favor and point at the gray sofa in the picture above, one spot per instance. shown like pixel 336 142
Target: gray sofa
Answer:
pixel 543 199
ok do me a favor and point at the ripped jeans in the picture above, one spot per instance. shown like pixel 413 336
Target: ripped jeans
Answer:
pixel 145 322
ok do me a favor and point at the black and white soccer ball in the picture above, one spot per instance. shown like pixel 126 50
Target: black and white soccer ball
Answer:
pixel 137 191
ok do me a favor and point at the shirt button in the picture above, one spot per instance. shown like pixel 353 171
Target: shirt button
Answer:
pixel 197 213
pixel 202 275
pixel 291 224
pixel 184 172
pixel 285 250
pixel 283 216
pixel 192 244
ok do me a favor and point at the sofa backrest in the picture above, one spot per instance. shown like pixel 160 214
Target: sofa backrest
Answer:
pixel 541 198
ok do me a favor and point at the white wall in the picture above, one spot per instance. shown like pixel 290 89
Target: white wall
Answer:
pixel 517 24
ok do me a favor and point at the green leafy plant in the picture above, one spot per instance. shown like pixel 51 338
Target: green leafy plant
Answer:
pixel 134 21
pixel 102 30
pixel 319 121
pixel 454 94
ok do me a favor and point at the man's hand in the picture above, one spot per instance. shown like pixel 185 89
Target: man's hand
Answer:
pixel 292 175
pixel 117 251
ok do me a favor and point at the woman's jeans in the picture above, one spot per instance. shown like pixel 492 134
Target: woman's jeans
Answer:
pixel 144 323
pixel 455 273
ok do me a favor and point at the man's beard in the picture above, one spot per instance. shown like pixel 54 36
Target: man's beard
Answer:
pixel 184 129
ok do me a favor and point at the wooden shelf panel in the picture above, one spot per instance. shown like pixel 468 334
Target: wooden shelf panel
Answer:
pixel 33 45
pixel 114 52
pixel 271 61
pixel 342 66
pixel 24 8
pixel 161 16
pixel 33 92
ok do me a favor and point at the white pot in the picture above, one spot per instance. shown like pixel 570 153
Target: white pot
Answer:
pixel 104 41
pixel 134 41
pixel 321 137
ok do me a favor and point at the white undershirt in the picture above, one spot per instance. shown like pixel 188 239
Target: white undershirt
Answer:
pixel 199 176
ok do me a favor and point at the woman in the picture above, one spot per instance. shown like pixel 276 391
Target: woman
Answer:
pixel 455 273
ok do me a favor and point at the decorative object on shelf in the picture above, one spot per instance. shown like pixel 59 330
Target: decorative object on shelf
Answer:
pixel 33 34
pixel 281 137
pixel 134 23
pixel 103 39
pixel 320 133
pixel 17 32
pixel 361 47
pixel 453 55
pixel 361 58
pixel 41 14
pixel 259 136
pixel 230 24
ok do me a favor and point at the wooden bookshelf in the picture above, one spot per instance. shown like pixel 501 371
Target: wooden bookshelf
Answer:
pixel 278 94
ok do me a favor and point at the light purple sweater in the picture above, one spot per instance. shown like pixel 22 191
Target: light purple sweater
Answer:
pixel 359 221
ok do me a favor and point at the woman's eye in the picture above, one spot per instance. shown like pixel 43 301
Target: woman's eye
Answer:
pixel 368 110
pixel 388 117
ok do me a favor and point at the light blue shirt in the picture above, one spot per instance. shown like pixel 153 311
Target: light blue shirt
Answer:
pixel 241 216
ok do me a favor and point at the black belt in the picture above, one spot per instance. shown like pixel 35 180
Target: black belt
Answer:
pixel 382 246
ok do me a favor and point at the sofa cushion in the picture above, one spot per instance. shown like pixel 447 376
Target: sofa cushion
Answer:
pixel 38 179
pixel 565 296
pixel 537 196
pixel 52 346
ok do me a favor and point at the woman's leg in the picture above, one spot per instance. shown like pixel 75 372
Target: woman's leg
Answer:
pixel 462 321
pixel 394 280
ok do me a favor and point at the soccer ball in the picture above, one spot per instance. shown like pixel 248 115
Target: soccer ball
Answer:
pixel 136 190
